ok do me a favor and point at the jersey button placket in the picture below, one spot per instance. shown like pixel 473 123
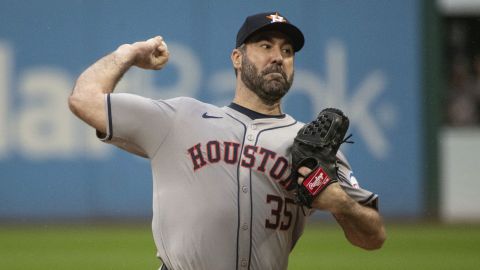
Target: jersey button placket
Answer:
pixel 244 240
pixel 252 133
pixel 243 263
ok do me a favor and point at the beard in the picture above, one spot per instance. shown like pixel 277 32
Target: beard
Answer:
pixel 271 90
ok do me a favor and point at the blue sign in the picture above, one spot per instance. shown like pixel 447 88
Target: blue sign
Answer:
pixel 360 56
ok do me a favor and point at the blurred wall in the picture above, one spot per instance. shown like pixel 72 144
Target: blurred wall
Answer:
pixel 360 56
pixel 460 135
pixel 460 185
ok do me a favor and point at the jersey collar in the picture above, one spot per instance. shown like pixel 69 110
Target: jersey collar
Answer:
pixel 253 114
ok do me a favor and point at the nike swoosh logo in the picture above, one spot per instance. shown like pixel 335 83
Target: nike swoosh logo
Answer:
pixel 206 115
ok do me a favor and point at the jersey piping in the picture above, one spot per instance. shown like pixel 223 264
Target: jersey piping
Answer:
pixel 238 189
pixel 245 111
pixel 251 199
pixel 109 113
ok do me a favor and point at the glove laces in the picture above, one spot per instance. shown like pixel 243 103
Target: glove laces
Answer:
pixel 346 139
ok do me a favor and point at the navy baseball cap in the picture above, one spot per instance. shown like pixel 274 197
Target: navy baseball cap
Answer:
pixel 270 21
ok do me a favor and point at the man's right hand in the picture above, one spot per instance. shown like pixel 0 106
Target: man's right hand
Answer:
pixel 88 97
pixel 150 54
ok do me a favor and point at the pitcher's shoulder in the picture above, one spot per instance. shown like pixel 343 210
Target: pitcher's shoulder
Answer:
pixel 188 104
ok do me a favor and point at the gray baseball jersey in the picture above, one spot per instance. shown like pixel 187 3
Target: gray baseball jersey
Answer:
pixel 218 177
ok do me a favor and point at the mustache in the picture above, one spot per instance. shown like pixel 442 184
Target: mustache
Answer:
pixel 275 69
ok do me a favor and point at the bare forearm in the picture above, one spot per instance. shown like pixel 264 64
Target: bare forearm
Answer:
pixel 103 75
pixel 87 99
pixel 362 225
pixel 100 78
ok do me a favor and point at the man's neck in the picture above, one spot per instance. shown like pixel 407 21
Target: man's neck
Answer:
pixel 251 101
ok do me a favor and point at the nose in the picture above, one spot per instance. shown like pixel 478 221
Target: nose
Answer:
pixel 277 56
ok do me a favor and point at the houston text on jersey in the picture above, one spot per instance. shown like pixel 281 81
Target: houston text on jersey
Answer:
pixel 258 158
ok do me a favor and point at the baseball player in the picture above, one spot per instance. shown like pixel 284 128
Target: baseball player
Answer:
pixel 219 173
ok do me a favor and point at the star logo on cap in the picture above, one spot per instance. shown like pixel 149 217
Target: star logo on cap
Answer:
pixel 276 18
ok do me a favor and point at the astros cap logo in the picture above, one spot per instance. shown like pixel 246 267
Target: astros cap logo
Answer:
pixel 276 18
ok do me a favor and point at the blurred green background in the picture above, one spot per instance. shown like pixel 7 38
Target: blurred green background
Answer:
pixel 323 246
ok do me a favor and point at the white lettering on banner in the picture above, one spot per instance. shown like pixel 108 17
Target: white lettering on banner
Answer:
pixel 359 108
pixel 221 85
pixel 6 68
pixel 46 128
pixel 42 127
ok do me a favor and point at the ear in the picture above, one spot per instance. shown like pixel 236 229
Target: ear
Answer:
pixel 236 57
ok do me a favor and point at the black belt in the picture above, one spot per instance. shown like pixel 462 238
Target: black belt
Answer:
pixel 163 267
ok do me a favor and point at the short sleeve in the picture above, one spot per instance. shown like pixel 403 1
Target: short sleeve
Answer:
pixel 137 124
pixel 351 186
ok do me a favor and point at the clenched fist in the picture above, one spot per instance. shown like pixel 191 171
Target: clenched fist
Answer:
pixel 150 54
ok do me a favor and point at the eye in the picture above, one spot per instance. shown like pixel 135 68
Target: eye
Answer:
pixel 288 51
pixel 265 46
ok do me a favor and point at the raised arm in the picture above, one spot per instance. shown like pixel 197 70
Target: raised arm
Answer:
pixel 362 225
pixel 87 99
